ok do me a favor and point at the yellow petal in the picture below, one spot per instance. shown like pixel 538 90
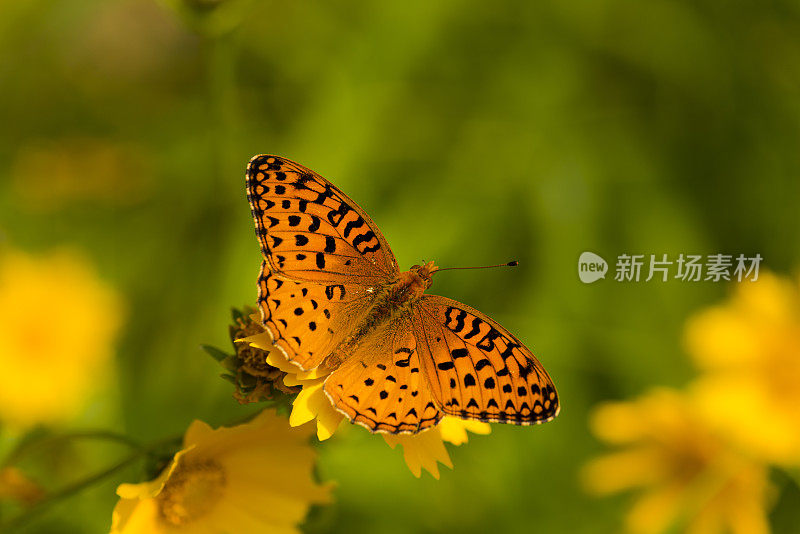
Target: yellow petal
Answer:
pixel 741 409
pixel 278 359
pixel 749 517
pixel 720 337
pixel 134 516
pixel 313 374
pixel 306 406
pixel 655 511
pixel 261 341
pixel 312 402
pixel 617 422
pixel 197 432
pixel 623 470
pixel 771 297
pixel 328 420
pixel 455 430
pixel 422 451
pixel 291 380
pixel 146 490
pixel 254 519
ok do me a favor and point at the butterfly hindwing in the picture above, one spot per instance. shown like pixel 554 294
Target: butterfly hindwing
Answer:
pixel 307 319
pixel 310 230
pixel 477 369
pixel 381 386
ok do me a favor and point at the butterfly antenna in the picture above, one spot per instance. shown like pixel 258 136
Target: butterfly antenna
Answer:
pixel 509 264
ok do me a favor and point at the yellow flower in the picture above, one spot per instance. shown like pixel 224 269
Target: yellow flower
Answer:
pixel 426 449
pixel 57 326
pixel 311 402
pixel 690 479
pixel 421 451
pixel 749 349
pixel 255 477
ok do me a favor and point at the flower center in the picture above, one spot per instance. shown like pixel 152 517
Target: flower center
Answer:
pixel 191 492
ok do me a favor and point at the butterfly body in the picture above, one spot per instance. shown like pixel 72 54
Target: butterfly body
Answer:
pixel 393 302
pixel 332 297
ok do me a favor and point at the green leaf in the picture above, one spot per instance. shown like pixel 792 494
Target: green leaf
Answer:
pixel 237 314
pixel 215 353
pixel 230 378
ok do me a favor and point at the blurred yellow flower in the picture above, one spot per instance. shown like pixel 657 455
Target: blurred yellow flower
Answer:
pixel 749 349
pixel 254 477
pixel 58 322
pixel 690 479
pixel 421 451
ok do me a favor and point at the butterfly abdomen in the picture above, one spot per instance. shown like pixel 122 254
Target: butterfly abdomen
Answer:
pixel 393 302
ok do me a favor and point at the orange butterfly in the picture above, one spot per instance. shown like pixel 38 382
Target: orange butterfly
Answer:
pixel 331 295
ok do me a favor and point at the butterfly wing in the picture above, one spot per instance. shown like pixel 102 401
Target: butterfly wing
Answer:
pixel 310 230
pixel 307 320
pixel 381 385
pixel 477 369
pixel 445 358
pixel 324 258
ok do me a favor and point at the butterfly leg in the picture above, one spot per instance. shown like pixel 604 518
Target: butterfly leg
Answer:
pixel 333 360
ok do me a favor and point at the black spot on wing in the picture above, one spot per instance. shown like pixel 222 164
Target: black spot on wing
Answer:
pixel 459 353
pixel 476 327
pixel 330 244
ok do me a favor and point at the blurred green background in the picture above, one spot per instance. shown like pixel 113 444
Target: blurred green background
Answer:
pixel 472 133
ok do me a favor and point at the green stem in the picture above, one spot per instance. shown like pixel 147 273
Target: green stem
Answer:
pixel 221 94
pixel 26 447
pixel 68 491
pixel 78 486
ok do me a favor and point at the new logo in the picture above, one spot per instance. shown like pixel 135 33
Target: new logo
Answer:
pixel 591 267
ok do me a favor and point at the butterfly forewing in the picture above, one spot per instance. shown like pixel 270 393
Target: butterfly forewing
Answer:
pixel 381 386
pixel 324 258
pixel 310 230
pixel 477 369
